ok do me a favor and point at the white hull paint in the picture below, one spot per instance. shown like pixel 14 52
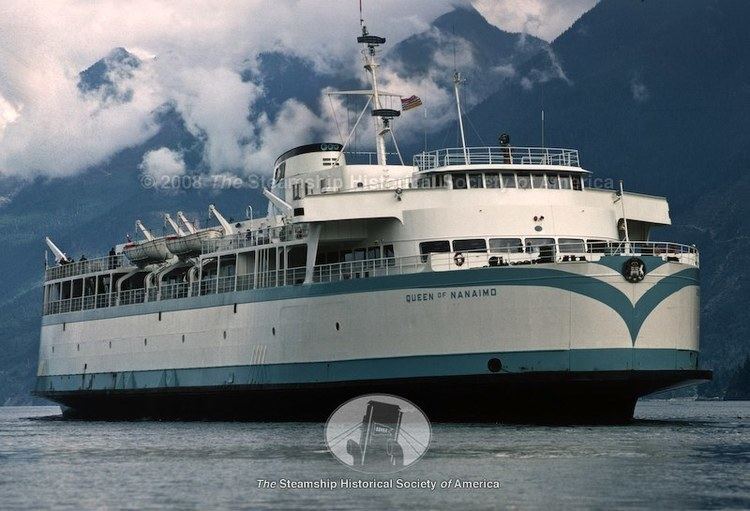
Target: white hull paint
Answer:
pixel 373 324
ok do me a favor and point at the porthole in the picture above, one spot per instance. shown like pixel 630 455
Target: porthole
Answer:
pixel 494 365
pixel 78 347
pixel 338 326
pixel 145 342
pixel 235 308
pixel 53 349
pixel 183 338
pixel 85 366
pixel 225 334
pixel 160 316
pixel 273 330
pixel 64 326
pixel 110 344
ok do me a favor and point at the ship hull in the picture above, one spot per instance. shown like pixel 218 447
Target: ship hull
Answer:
pixel 550 343
pixel 549 397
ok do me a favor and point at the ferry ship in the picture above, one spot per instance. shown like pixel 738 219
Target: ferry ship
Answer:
pixel 481 283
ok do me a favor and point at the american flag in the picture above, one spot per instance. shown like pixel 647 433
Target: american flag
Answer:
pixel 410 102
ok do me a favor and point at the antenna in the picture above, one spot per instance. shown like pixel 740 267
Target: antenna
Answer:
pixel 457 80
pixel 542 92
pixel 382 116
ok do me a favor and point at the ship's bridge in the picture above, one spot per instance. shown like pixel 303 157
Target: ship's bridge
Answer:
pixel 306 158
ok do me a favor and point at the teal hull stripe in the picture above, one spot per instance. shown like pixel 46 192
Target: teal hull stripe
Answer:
pixel 615 359
pixel 634 316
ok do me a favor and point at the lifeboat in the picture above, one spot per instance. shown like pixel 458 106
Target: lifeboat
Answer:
pixel 149 251
pixel 189 245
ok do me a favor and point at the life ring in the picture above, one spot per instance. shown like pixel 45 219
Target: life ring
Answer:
pixel 459 259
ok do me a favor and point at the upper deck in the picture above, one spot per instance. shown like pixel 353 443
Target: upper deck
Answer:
pixel 510 155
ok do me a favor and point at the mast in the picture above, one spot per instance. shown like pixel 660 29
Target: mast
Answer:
pixel 381 115
pixel 456 82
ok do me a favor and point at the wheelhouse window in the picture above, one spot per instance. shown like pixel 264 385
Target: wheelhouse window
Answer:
pixel 492 180
pixel 524 181
pixel 537 180
pixel 506 245
pixel 433 247
pixel 509 180
pixel 571 245
pixel 553 182
pixel 564 181
pixel 475 181
pixel 471 245
pixel 459 181
pixel 296 191
pixel 280 171
pixel 431 181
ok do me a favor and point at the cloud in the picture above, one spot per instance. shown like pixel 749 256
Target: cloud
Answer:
pixel 553 70
pixel 161 165
pixel 48 127
pixel 545 19
pixel 194 55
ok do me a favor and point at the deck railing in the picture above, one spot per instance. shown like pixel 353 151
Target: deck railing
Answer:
pixel 256 238
pixel 349 270
pixel 86 266
pixel 496 155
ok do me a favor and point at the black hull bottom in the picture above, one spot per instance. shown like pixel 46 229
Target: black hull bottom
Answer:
pixel 560 398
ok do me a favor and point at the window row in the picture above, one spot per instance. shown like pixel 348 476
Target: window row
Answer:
pixel 467 180
pixel 513 245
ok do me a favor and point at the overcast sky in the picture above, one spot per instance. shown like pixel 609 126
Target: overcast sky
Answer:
pixel 47 127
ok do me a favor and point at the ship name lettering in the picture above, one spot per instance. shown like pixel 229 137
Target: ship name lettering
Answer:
pixel 473 293
pixel 419 297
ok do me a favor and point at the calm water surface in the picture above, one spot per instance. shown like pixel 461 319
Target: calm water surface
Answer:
pixel 677 454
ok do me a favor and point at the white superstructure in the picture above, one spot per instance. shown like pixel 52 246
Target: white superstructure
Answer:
pixel 479 282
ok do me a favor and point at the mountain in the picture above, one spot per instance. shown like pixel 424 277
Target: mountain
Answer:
pixel 738 385
pixel 87 213
pixel 102 76
pixel 463 39
pixel 657 94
